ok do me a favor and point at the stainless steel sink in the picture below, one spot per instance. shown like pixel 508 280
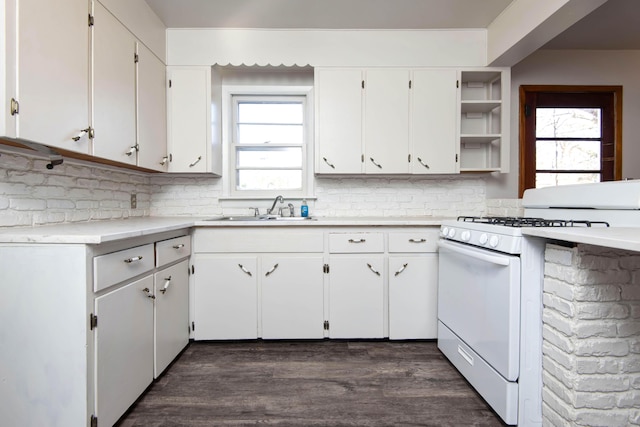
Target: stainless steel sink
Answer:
pixel 261 218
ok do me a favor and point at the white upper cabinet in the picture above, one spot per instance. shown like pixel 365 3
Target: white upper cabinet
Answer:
pixel 338 120
pixel 434 148
pixel 386 124
pixel 484 120
pixel 152 111
pixel 114 89
pixel 189 119
pixel 47 62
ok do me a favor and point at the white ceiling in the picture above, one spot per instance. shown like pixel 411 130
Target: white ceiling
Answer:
pixel 612 26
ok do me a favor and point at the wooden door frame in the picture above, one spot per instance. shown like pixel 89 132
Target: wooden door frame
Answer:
pixel 617 101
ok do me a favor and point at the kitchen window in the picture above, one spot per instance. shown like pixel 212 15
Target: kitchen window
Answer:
pixel 269 145
pixel 569 135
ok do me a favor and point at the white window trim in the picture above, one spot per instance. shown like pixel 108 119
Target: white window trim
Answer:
pixel 228 168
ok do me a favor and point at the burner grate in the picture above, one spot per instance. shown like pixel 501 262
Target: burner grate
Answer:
pixel 507 221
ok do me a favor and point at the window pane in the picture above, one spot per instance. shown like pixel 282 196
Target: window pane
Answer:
pixel 568 122
pixel 553 179
pixel 269 180
pixel 269 158
pixel 270 112
pixel 272 134
pixel 568 155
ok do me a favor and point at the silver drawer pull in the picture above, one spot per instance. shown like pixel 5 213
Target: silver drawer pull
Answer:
pixel 247 272
pixel 166 285
pixel 149 294
pixel 195 162
pixel 376 272
pixel 357 241
pixel 132 150
pixel 401 269
pixel 272 270
pixel 180 246
pixel 81 134
pixel 375 163
pixel 133 259
pixel 417 241
pixel 422 163
pixel 327 162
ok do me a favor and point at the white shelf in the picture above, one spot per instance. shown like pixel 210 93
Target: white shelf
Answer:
pixel 479 106
pixel 479 138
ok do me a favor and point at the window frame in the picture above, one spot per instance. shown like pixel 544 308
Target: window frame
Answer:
pixel 527 137
pixel 305 93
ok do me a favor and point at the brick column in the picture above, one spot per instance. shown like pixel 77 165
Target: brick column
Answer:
pixel 591 337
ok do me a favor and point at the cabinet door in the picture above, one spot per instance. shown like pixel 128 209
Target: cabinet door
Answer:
pixel 338 121
pixel 189 118
pixel 114 89
pixel 226 297
pixel 152 111
pixel 356 296
pixel 433 122
pixel 171 329
pixel 53 72
pixel 413 284
pixel 386 121
pixel 292 297
pixel 124 348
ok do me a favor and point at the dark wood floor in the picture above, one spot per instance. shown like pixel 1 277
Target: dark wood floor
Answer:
pixel 315 383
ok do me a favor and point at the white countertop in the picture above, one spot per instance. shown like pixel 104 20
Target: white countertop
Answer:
pixel 627 238
pixel 96 232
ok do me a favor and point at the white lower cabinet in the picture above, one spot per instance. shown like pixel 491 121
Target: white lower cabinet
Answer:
pixel 124 348
pixel 292 296
pixel 226 297
pixel 356 296
pixel 171 326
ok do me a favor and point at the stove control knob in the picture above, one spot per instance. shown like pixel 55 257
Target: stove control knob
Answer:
pixel 465 236
pixel 493 241
pixel 483 239
pixel 445 231
pixel 451 233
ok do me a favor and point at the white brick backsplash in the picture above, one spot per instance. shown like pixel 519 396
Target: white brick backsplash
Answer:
pixel 591 369
pixel 31 194
pixel 505 207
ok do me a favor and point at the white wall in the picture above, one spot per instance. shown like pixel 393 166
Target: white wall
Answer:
pixel 577 67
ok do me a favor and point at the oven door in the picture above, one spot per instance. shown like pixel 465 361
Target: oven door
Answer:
pixel 479 301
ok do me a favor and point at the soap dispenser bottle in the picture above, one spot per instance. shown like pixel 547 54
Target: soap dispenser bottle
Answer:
pixel 304 209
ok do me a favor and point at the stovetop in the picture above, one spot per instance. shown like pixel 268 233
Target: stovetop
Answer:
pixel 508 221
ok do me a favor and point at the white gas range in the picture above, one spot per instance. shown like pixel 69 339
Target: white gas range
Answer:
pixel 490 290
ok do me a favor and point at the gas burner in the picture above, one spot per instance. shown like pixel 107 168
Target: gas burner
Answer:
pixel 508 221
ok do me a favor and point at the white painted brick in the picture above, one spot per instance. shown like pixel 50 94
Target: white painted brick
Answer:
pixel 598 293
pixel 635 381
pixel 49 218
pixel 557 255
pixel 594 400
pixel 14 189
pixel 592 277
pixel 562 306
pixel 601 383
pixel 594 418
pixel 60 204
pixel 557 338
pixel 630 262
pixel 564 376
pixel 28 178
pixel 597 262
pixel 597 329
pixel 558 322
pixel 634 417
pixel 559 288
pixel 598 365
pixel 628 399
pixel 632 292
pixel 564 411
pixel 87 183
pixel 634 345
pixel 10 161
pixel 62 181
pixel 592 311
pixel 48 192
pixel 28 204
pixel 628 328
pixel 4 203
pixel 14 220
pixel 605 347
pixel 557 388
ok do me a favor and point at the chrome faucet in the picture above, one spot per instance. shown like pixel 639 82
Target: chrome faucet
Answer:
pixel 278 199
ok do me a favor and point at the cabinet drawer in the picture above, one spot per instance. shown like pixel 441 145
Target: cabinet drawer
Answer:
pixel 254 239
pixel 344 243
pixel 171 250
pixel 415 241
pixel 118 266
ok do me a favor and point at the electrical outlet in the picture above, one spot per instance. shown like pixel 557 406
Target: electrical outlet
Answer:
pixel 134 201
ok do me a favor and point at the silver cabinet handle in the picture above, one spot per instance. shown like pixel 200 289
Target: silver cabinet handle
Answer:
pixel 82 133
pixel 166 285
pixel 132 150
pixel 357 241
pixel 164 161
pixel 247 272
pixel 195 162
pixel 271 271
pixel 149 294
pixel 15 108
pixel 180 246
pixel 376 272
pixel 423 163
pixel 401 269
pixel 375 163
pixel 327 162
pixel 133 259
pixel 417 241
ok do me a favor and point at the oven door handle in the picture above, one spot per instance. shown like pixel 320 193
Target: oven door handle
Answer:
pixel 494 259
